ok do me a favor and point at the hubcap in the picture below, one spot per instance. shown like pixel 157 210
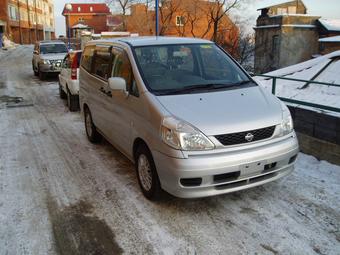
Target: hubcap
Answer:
pixel 144 172
pixel 88 123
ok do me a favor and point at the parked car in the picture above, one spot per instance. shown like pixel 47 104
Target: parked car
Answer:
pixel 68 80
pixel 191 119
pixel 48 57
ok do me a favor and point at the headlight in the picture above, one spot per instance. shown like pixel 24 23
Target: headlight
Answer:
pixel 287 121
pixel 45 61
pixel 182 136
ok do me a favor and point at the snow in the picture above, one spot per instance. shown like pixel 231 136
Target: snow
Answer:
pixel 48 169
pixel 79 25
pixel 331 24
pixel 330 39
pixel 299 26
pixel 314 93
pixel 267 26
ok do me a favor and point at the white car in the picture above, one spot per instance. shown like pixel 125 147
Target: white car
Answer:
pixel 69 80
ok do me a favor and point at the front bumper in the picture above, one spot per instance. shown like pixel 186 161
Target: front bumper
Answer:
pixel 49 68
pixel 224 171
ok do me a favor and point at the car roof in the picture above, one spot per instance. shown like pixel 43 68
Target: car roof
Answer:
pixel 153 40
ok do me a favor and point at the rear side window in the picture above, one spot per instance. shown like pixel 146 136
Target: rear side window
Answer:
pixel 102 62
pixel 87 58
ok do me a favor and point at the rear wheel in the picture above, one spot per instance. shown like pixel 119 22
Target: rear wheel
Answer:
pixel 91 130
pixel 72 101
pixel 146 173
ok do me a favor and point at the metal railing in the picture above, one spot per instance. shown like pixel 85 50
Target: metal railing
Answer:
pixel 294 101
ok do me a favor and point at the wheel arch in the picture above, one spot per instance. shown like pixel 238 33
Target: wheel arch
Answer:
pixel 138 142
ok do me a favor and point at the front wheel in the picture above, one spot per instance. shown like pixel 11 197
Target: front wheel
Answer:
pixel 146 173
pixel 91 130
pixel 42 75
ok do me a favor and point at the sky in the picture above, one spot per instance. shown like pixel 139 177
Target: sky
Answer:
pixel 324 8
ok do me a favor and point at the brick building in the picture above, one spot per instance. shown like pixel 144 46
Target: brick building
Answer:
pixel 26 21
pixel 186 18
pixel 86 17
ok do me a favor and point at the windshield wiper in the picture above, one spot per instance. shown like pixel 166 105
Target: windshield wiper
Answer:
pixel 194 88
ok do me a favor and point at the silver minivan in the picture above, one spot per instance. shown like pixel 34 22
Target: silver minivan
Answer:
pixel 191 119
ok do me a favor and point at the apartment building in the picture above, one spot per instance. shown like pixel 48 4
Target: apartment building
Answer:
pixel 27 21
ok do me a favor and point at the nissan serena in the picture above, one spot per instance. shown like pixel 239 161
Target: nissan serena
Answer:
pixel 191 119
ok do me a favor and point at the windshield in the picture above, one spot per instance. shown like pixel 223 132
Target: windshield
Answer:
pixel 53 48
pixel 177 69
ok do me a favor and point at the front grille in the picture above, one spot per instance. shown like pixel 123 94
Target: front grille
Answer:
pixel 239 138
pixel 56 63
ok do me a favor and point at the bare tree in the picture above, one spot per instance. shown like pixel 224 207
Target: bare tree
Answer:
pixel 124 5
pixel 167 12
pixel 218 9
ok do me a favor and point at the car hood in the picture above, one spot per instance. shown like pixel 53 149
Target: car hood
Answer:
pixel 54 56
pixel 222 112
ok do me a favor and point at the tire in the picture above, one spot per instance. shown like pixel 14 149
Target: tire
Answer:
pixel 62 93
pixel 42 75
pixel 34 71
pixel 72 102
pixel 91 130
pixel 147 174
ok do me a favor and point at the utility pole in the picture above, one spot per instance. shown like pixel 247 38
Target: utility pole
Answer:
pixel 157 17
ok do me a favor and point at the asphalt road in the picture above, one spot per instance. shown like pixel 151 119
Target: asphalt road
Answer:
pixel 60 194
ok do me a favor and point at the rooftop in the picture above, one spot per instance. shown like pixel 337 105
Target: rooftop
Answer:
pixel 330 39
pixel 331 24
pixel 96 8
pixel 156 40
pixel 323 69
pixel 276 3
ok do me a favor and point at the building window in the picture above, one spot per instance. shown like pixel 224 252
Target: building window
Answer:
pixel 292 9
pixel 275 45
pixel 281 11
pixel 79 9
pixel 91 9
pixel 180 21
pixel 13 12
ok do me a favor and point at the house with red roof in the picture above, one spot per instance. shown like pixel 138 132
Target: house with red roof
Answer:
pixel 86 17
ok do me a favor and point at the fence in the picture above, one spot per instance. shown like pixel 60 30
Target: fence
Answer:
pixel 294 101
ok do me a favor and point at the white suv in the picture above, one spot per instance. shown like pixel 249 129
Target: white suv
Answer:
pixel 69 80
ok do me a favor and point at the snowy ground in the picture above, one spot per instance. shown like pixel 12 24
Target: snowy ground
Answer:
pixel 59 194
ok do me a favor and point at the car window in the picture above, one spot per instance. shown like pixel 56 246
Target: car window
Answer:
pixel 53 48
pixel 122 68
pixel 183 68
pixel 102 62
pixel 87 57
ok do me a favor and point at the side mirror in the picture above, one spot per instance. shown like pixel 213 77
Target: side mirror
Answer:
pixel 117 83
pixel 252 74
